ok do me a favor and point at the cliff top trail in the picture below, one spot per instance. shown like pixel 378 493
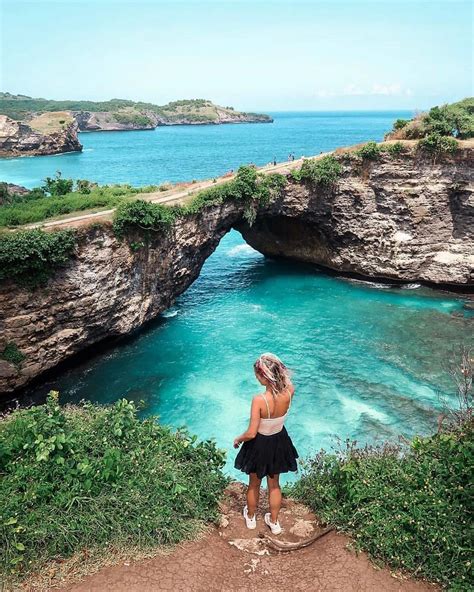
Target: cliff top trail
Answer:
pixel 178 195
pixel 173 196
pixel 230 558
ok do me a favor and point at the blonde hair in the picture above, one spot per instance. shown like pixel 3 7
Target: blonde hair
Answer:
pixel 271 368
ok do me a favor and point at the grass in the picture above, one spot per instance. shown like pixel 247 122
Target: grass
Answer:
pixel 37 209
pixel 48 123
pixel 89 478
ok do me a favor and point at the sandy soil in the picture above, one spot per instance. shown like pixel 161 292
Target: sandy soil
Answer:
pixel 231 558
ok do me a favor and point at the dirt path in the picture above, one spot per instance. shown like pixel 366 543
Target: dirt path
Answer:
pixel 233 559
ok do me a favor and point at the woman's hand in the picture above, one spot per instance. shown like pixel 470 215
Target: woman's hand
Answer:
pixel 236 443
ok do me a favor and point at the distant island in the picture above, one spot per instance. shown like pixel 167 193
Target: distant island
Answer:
pixel 35 126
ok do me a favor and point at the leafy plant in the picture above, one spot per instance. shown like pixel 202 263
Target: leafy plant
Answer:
pixel 98 478
pixel 84 186
pixel 400 123
pixel 12 354
pixel 57 186
pixel 31 257
pixel 437 144
pixel 323 171
pixel 369 151
pixel 142 215
pixel 394 149
pixel 455 119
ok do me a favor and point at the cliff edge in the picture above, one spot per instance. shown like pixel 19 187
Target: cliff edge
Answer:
pixel 48 133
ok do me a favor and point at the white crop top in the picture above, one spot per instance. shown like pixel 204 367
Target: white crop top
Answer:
pixel 272 425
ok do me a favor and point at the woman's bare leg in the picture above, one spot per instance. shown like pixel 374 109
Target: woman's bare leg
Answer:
pixel 274 496
pixel 253 494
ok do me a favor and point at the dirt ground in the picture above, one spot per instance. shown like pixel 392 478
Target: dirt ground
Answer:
pixel 231 558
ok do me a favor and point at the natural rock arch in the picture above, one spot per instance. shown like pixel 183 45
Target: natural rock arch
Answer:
pixel 408 220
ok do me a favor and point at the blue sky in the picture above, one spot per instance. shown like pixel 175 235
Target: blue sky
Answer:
pixel 253 55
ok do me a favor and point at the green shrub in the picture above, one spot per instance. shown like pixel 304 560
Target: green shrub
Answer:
pixel 142 215
pixel 136 119
pixel 394 149
pixel 84 186
pixel 400 124
pixel 98 478
pixel 437 144
pixel 455 119
pixel 57 186
pixel 12 354
pixel 406 507
pixel 322 171
pixel 369 151
pixel 30 257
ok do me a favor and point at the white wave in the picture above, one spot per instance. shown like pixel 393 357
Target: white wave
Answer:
pixel 169 313
pixel 240 249
pixel 367 283
pixel 356 408
pixel 411 286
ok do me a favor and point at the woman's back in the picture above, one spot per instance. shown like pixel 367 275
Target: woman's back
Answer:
pixel 278 406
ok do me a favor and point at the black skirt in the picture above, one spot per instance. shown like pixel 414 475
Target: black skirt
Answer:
pixel 267 455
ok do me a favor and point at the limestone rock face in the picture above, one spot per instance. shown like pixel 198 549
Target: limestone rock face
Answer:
pixel 97 121
pixel 400 218
pixel 21 139
pixel 403 218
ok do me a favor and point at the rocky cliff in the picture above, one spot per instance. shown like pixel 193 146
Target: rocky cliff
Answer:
pixel 401 217
pixel 47 134
pixel 122 114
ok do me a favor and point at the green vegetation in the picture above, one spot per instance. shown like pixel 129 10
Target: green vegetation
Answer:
pixel 98 479
pixel 57 186
pixel 200 110
pixel 394 149
pixel 400 124
pixel 37 206
pixel 437 144
pixel 133 118
pixel 249 187
pixel 369 151
pixel 142 215
pixel 323 171
pixel 455 119
pixel 12 354
pixel 31 257
pixel 405 507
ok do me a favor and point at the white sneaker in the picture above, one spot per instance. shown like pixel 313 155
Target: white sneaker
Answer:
pixel 250 522
pixel 273 526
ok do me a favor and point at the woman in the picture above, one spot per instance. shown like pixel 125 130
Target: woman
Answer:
pixel 267 450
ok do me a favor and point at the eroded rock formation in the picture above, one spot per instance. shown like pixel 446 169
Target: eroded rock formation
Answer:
pixel 21 139
pixel 403 218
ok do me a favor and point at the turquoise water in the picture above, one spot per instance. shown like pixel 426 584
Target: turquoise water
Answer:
pixel 367 359
pixel 184 153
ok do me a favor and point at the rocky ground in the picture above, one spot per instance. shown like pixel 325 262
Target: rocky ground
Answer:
pixel 230 558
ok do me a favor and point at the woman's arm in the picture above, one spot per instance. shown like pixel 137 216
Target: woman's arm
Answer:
pixel 251 431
